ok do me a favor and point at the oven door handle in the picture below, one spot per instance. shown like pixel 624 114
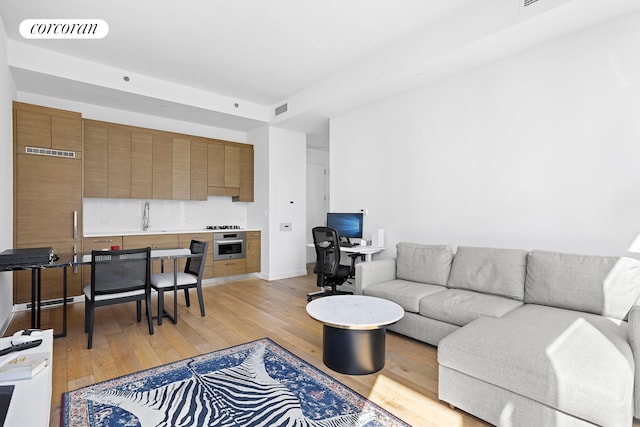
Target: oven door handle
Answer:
pixel 229 241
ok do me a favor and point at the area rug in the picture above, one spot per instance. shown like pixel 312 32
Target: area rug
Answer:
pixel 253 384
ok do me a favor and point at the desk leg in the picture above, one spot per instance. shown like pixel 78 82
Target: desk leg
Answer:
pixel 33 298
pixel 39 302
pixel 64 305
pixel 175 290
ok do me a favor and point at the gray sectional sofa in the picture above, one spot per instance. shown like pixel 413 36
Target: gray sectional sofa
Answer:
pixel 524 338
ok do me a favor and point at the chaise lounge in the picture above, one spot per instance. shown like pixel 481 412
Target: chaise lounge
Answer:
pixel 524 338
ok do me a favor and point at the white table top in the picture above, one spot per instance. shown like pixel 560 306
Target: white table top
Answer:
pixel 355 311
pixel 31 401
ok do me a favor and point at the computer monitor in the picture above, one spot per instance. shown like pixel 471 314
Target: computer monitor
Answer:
pixel 349 225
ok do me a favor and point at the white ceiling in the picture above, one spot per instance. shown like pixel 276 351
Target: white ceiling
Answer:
pixel 194 59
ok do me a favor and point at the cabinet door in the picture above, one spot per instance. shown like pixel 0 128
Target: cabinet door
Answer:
pixel 33 128
pixel 215 165
pixel 48 192
pixel 162 159
pixel 141 166
pixel 155 241
pixel 231 166
pixel 66 133
pixel 246 175
pixel 229 267
pixel 96 148
pixel 181 169
pixel 253 251
pixel 199 156
pixel 119 163
pixel 185 241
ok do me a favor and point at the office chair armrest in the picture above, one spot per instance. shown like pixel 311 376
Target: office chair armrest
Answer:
pixel 370 273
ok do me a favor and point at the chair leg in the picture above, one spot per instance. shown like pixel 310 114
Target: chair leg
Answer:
pixel 149 315
pixel 160 305
pixel 186 297
pixel 86 314
pixel 90 325
pixel 139 311
pixel 200 299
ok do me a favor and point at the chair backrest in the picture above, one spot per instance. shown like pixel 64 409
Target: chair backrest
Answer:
pixel 327 244
pixel 120 271
pixel 195 265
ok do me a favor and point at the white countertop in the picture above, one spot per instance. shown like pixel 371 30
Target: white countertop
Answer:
pixel 163 231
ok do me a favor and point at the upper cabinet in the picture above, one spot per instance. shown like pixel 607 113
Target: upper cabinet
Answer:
pixel 42 127
pixel 130 162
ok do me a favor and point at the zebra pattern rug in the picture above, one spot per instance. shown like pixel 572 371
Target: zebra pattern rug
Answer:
pixel 253 384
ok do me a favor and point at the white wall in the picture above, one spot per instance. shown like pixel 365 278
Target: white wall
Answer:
pixel 280 182
pixel 7 94
pixel 540 150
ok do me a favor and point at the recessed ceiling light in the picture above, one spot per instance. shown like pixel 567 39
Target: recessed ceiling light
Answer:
pixel 125 78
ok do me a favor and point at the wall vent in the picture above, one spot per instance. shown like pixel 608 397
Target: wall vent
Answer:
pixel 529 2
pixel 48 152
pixel 282 109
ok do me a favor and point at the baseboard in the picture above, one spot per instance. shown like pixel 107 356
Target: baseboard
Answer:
pixel 289 275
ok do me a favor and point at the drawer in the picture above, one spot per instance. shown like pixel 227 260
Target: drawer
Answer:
pixel 229 267
pixel 98 243
pixel 156 241
pixel 186 238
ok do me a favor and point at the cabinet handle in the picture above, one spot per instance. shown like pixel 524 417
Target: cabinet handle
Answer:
pixel 103 241
pixel 75 224
pixel 75 256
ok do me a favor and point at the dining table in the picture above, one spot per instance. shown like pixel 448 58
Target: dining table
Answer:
pixel 66 260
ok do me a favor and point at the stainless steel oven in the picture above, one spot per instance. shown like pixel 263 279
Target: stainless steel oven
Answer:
pixel 229 245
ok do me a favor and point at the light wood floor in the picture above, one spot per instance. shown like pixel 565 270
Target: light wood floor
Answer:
pixel 237 312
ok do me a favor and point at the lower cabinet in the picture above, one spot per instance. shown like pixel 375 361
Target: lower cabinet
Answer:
pixel 229 267
pixel 253 251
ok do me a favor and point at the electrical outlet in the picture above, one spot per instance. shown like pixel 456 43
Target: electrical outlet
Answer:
pixel 285 226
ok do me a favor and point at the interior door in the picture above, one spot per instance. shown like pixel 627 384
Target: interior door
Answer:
pixel 317 201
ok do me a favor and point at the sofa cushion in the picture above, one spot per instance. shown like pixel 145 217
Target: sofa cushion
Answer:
pixel 602 285
pixel 490 270
pixel 579 363
pixel 459 306
pixel 405 293
pixel 423 263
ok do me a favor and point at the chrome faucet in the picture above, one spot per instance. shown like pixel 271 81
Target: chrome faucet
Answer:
pixel 145 217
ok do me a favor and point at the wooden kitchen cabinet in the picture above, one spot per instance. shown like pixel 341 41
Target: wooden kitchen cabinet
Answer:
pixel 96 150
pixel 119 163
pixel 162 164
pixel 45 127
pixel 47 193
pixel 199 173
pixel 181 169
pixel 246 175
pixel 96 244
pixel 229 267
pixel 141 165
pixel 253 251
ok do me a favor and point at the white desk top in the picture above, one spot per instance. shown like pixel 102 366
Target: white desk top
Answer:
pixel 355 311
pixel 31 400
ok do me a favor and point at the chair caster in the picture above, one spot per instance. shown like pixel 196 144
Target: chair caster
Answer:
pixel 309 299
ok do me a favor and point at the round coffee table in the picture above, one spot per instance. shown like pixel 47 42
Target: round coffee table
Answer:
pixel 354 328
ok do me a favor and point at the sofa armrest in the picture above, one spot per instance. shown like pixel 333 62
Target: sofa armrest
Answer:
pixel 633 332
pixel 370 273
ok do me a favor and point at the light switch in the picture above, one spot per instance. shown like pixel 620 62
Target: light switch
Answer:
pixel 285 226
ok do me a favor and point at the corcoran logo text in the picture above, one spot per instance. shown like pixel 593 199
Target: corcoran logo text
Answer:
pixel 64 28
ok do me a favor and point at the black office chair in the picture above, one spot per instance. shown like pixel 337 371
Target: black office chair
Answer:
pixel 117 277
pixel 330 273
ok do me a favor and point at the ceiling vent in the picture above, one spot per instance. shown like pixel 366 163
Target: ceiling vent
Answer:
pixel 47 152
pixel 529 2
pixel 282 109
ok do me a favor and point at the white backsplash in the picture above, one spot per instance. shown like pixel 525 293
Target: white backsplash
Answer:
pixel 119 215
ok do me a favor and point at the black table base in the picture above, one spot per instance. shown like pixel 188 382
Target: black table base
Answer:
pixel 353 351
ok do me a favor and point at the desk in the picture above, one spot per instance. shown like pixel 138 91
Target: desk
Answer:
pixel 31 400
pixel 366 251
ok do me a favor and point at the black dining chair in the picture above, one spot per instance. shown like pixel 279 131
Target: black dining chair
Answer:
pixel 118 277
pixel 190 278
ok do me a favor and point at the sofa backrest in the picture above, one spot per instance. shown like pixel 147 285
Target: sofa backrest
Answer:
pixel 489 270
pixel 595 284
pixel 423 263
